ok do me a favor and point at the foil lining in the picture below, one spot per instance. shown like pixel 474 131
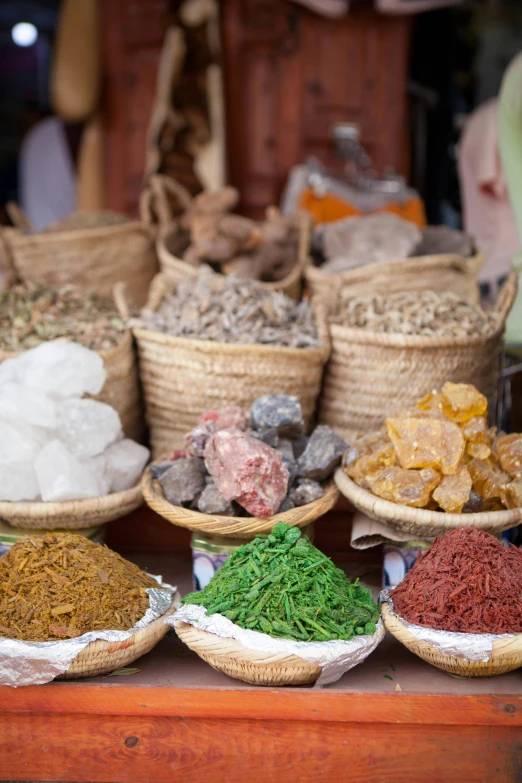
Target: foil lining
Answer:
pixel 35 663
pixel 473 647
pixel 335 657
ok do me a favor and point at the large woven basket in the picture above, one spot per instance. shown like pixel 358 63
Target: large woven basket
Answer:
pixel 231 657
pixel 102 657
pixel 506 655
pixel 183 377
pixel 168 238
pixel 370 376
pixel 236 527
pixel 71 514
pixel 444 272
pixel 420 522
pixel 94 258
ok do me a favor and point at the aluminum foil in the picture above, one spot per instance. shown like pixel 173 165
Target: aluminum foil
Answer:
pixel 473 647
pixel 35 663
pixel 335 657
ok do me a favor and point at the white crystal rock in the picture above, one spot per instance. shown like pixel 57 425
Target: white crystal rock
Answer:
pixel 125 462
pixel 87 427
pixel 20 443
pixel 99 469
pixel 18 404
pixel 18 482
pixel 59 369
pixel 62 477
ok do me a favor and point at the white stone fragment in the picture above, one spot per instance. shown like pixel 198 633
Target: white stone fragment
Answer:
pixel 21 443
pixel 99 469
pixel 59 369
pixel 18 482
pixel 18 404
pixel 62 477
pixel 125 462
pixel 87 427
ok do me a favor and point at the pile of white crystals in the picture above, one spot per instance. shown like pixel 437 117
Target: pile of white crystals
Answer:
pixel 54 444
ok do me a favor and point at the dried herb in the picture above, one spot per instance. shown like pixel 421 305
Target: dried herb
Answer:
pixel 233 310
pixel 466 581
pixel 282 585
pixel 32 314
pixel 62 585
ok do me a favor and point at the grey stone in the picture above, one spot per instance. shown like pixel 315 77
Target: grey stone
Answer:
pixel 269 436
pixel 159 469
pixel 323 453
pixel 285 448
pixel 281 411
pixel 182 482
pixel 287 505
pixel 291 466
pixel 306 491
pixel 211 501
pixel 299 445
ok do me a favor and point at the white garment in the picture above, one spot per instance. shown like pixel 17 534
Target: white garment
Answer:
pixel 47 176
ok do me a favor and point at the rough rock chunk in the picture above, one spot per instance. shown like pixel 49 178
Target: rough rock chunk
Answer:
pixel 291 466
pixel 270 436
pixel 461 401
pixel 281 411
pixel 406 487
pixel 125 462
pixel 159 469
pixel 512 494
pixel 488 481
pixel 87 427
pixel 196 439
pixel 19 404
pixel 18 484
pixel 452 494
pixel 306 491
pixel 62 477
pixel 287 505
pixel 248 471
pixel 299 445
pixel 426 443
pixel 182 482
pixel 212 501
pixel 323 453
pixel 231 418
pixel 510 454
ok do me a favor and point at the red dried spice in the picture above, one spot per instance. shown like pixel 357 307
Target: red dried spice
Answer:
pixel 466 581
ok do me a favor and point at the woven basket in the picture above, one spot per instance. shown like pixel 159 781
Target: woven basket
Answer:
pixel 183 377
pixel 370 376
pixel 506 655
pixel 231 657
pixel 102 657
pixel 95 258
pixel 236 527
pixel 441 273
pixel 71 514
pixel 167 238
pixel 420 522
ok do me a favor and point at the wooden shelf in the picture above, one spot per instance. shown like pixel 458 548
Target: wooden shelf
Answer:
pixel 178 719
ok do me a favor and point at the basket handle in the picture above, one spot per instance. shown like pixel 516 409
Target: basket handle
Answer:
pixel 507 296
pixel 19 218
pixel 120 300
pixel 154 199
pixel 6 259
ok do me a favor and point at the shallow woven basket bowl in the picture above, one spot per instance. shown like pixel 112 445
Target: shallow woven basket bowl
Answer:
pixel 420 522
pixel 101 657
pixel 506 655
pixel 71 514
pixel 443 272
pixel 258 668
pixel 182 377
pixel 237 527
pixel 371 376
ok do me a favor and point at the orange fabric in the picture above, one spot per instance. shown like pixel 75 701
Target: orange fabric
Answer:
pixel 330 208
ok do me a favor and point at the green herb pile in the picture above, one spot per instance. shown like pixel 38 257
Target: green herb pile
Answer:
pixel 283 586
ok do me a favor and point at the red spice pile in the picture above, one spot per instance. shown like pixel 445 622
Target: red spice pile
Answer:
pixel 466 581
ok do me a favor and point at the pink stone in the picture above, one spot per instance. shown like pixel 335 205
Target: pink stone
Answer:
pixel 231 418
pixel 177 454
pixel 248 471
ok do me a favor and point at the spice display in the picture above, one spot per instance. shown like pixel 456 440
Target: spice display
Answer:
pixel 60 586
pixel 10 535
pixel 231 310
pixel 237 245
pixel 282 585
pixel 424 313
pixel 31 314
pixel 54 445
pixel 467 581
pixel 442 456
pixel 229 469
pixel 82 219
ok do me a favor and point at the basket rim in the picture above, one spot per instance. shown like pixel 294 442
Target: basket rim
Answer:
pixel 105 353
pixel 366 337
pixel 41 509
pixel 384 510
pixel 17 237
pixel 196 520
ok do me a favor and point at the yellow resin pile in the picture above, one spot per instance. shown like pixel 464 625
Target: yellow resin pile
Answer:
pixel 441 455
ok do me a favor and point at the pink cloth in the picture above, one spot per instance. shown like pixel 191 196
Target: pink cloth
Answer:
pixel 488 216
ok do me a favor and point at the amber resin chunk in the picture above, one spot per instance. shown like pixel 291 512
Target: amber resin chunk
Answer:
pixel 407 487
pixel 431 402
pixel 452 494
pixel 510 454
pixel 475 430
pixel 369 464
pixel 512 494
pixel 427 443
pixel 461 401
pixel 488 480
pixel 479 450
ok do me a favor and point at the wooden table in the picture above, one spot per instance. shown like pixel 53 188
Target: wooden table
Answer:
pixel 393 719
